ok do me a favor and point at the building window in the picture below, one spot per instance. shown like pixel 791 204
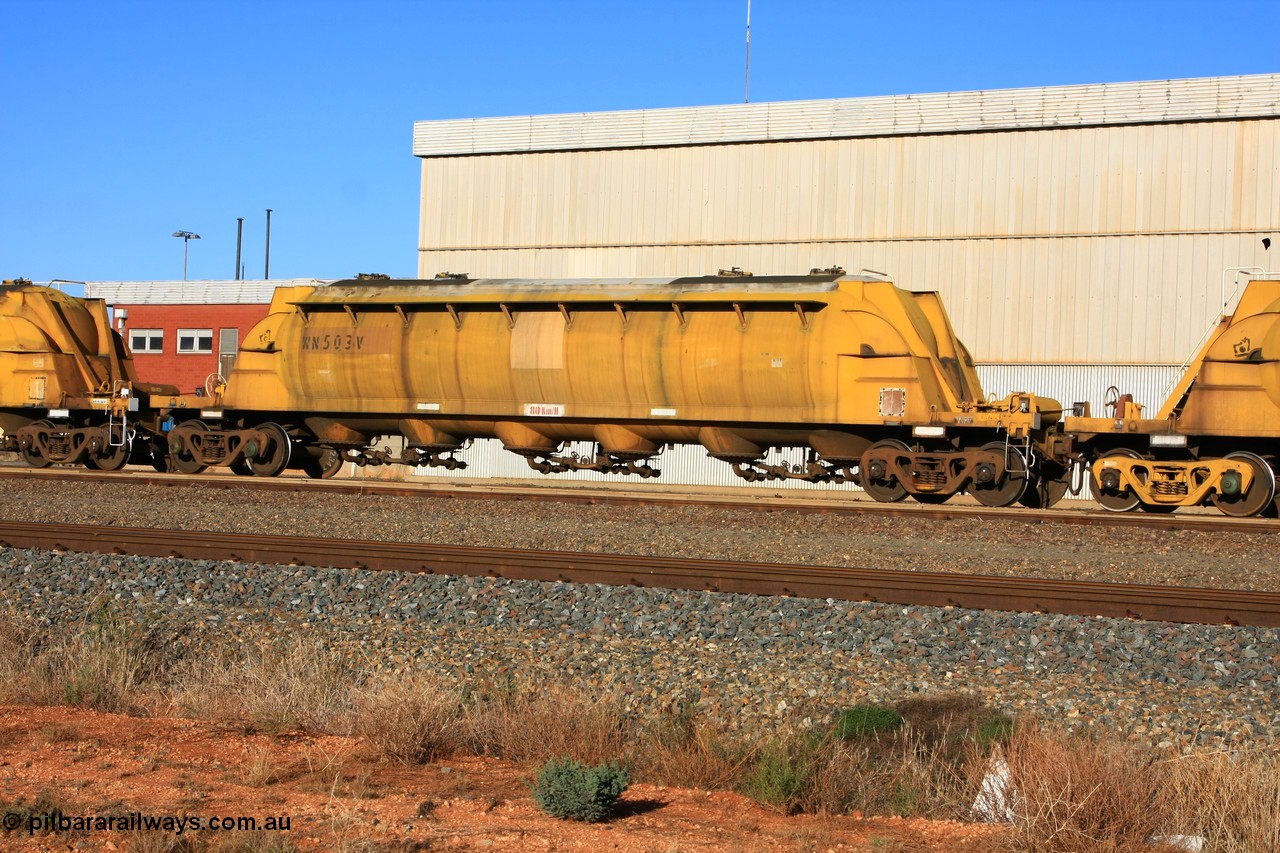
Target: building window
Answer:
pixel 146 340
pixel 198 341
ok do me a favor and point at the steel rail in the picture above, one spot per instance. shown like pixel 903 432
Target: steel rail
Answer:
pixel 935 589
pixel 586 494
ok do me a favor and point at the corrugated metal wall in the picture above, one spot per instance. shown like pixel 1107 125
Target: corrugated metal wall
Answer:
pixel 1081 244
pixel 1150 384
pixel 1205 177
pixel 684 465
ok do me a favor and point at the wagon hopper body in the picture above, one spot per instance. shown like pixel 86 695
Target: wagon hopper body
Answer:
pixel 1215 440
pixel 68 390
pixel 863 375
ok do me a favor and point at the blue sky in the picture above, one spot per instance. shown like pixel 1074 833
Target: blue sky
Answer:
pixel 124 122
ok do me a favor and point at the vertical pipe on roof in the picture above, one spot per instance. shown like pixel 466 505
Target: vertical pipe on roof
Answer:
pixel 266 269
pixel 239 244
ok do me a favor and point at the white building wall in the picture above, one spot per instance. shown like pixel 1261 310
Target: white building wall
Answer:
pixel 1197 177
pixel 686 465
pixel 1075 245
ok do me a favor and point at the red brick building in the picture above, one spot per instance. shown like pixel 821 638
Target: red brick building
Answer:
pixel 183 332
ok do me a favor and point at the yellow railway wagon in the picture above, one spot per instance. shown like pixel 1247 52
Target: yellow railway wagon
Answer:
pixel 67 386
pixel 859 372
pixel 1216 439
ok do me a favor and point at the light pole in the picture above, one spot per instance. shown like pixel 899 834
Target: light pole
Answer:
pixel 187 237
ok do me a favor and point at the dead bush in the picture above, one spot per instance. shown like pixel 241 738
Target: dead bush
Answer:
pixel 277 686
pixel 107 665
pixel 1078 794
pixel 954 722
pixel 899 773
pixel 413 719
pixel 1232 800
pixel 557 722
pixel 685 751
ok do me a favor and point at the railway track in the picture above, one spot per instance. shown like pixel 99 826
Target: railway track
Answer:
pixel 761 501
pixel 980 592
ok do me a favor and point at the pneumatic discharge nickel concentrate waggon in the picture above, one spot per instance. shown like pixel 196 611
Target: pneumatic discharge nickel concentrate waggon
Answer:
pixel 868 379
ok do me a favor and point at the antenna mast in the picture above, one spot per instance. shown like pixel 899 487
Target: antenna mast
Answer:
pixel 747 99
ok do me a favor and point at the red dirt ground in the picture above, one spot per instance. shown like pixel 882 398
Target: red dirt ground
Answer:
pixel 339 798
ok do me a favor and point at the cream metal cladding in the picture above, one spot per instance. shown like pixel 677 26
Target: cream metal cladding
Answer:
pixel 1082 224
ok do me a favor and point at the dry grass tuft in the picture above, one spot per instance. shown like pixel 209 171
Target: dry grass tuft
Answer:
pixel 925 757
pixel 237 841
pixel 338 773
pixel 18 654
pixel 277 687
pixel 260 768
pixel 686 752
pixel 414 719
pixel 58 733
pixel 107 665
pixel 1076 794
pixel 910 775
pixel 532 728
pixel 1231 799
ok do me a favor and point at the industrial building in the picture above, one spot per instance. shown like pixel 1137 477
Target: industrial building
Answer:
pixel 1080 236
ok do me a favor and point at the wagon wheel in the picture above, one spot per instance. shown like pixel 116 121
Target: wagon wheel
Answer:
pixel 161 462
pixel 1048 487
pixel 321 463
pixel 1261 491
pixel 31 455
pixel 181 459
pixel 273 458
pixel 1016 477
pixel 1122 502
pixel 115 458
pixel 885 491
pixel 241 467
pixel 1272 511
pixel 158 453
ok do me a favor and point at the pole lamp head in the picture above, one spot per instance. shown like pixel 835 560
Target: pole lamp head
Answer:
pixel 187 237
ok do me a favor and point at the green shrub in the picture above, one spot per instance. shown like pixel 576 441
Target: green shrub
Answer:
pixel 781 774
pixel 996 729
pixel 862 720
pixel 904 800
pixel 565 788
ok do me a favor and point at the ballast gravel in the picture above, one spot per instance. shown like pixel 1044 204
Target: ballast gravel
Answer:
pixel 909 542
pixel 745 660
